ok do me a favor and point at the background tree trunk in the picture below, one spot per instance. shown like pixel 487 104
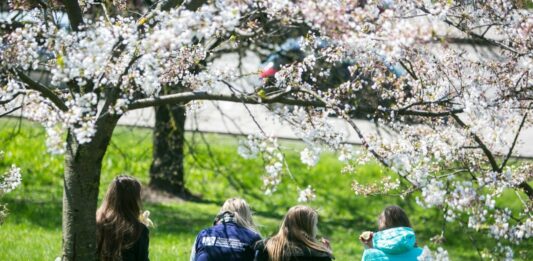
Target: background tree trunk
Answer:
pixel 83 163
pixel 167 172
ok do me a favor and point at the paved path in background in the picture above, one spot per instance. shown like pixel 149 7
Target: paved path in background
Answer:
pixel 233 118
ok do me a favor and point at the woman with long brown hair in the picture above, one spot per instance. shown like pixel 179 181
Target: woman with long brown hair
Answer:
pixel 296 239
pixel 121 234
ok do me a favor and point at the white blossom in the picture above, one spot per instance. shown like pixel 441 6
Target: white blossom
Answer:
pixel 439 255
pixel 307 194
pixel 311 156
pixel 10 180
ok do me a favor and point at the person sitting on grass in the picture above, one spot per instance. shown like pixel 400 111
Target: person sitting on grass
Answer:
pixel 121 233
pixel 232 236
pixel 395 239
pixel 296 239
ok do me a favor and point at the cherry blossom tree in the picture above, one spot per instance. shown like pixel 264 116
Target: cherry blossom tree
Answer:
pixel 455 118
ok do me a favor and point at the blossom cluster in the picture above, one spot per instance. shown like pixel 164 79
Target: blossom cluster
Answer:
pixel 439 255
pixel 11 179
pixel 269 150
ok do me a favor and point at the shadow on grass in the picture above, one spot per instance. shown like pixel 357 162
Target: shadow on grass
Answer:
pixel 187 219
pixel 178 219
pixel 46 213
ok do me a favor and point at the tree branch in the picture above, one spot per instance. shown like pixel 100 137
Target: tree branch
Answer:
pixel 10 111
pixel 482 145
pixel 510 152
pixel 75 16
pixel 43 90
pixel 476 36
pixel 428 113
pixel 190 96
pixel 3 102
pixel 527 189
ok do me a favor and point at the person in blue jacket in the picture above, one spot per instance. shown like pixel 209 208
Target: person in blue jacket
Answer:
pixel 395 239
pixel 232 236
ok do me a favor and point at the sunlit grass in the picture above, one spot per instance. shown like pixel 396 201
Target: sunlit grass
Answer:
pixel 32 230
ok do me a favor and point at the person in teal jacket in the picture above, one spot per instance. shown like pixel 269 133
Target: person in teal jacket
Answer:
pixel 395 239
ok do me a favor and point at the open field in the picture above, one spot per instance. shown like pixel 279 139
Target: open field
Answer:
pixel 32 230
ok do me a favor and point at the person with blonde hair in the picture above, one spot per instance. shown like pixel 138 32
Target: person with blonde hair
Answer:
pixel 395 239
pixel 296 239
pixel 121 230
pixel 232 236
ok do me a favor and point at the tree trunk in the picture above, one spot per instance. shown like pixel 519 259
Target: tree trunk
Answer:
pixel 166 171
pixel 83 163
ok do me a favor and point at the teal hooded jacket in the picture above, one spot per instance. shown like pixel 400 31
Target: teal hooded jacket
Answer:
pixel 393 244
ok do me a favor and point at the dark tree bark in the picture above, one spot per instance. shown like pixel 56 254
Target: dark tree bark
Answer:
pixel 167 171
pixel 83 163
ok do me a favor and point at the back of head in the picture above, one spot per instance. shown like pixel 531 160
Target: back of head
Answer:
pixel 117 219
pixel 299 227
pixel 391 217
pixel 241 211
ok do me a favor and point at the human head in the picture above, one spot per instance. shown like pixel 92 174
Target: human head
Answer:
pixel 241 211
pixel 123 198
pixel 117 219
pixel 300 223
pixel 391 217
pixel 299 226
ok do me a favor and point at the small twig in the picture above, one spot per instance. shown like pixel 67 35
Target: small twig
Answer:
pixel 486 151
pixel 515 139
pixel 10 111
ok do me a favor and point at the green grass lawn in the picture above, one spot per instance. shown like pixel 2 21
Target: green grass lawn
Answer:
pixel 32 231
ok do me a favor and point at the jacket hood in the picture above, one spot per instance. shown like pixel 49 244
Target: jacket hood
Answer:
pixel 395 240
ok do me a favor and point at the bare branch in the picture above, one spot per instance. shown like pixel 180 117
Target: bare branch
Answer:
pixel 10 111
pixel 190 96
pixel 527 189
pixel 514 140
pixel 428 113
pixel 470 33
pixel 484 148
pixel 75 16
pixel 43 90
pixel 3 102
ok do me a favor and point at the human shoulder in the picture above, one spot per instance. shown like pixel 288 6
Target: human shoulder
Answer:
pixel 252 234
pixel 306 251
pixel 144 228
pixel 144 231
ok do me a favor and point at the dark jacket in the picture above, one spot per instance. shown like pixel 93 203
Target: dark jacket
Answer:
pixel 139 250
pixel 302 253
pixel 225 241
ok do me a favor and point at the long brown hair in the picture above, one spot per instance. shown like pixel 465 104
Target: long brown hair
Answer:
pixel 391 217
pixel 117 219
pixel 298 227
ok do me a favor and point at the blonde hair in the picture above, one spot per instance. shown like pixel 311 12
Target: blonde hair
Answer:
pixel 241 211
pixel 299 226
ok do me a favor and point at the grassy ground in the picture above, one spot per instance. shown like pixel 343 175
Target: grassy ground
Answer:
pixel 32 231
